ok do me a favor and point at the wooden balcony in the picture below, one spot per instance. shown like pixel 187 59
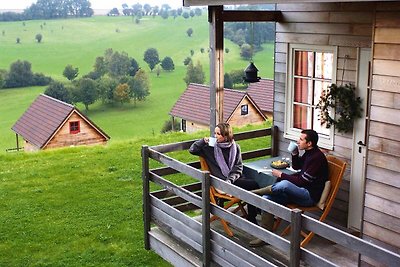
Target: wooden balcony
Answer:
pixel 177 221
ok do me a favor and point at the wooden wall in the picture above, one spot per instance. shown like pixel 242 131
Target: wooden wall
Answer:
pixel 87 135
pixel 346 25
pixel 382 198
pixel 253 116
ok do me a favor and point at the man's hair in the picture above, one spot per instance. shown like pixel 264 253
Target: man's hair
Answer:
pixel 226 131
pixel 311 136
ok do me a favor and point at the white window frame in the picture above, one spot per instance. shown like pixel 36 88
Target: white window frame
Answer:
pixel 289 131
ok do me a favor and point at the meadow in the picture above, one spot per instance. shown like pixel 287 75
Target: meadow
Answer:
pixel 79 41
pixel 82 206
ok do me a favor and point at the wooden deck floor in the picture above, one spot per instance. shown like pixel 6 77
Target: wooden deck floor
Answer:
pixel 339 255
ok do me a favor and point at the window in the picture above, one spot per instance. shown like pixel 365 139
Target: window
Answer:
pixel 311 69
pixel 244 110
pixel 74 127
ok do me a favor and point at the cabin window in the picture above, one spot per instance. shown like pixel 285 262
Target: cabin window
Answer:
pixel 311 69
pixel 244 110
pixel 74 127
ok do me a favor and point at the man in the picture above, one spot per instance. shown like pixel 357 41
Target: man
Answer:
pixel 303 188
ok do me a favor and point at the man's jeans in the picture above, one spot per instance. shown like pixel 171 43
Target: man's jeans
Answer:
pixel 285 192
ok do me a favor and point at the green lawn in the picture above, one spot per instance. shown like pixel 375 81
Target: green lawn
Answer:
pixel 80 206
pixel 80 41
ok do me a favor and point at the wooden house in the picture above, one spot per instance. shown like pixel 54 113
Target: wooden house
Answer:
pixel 339 42
pixel 193 108
pixel 262 93
pixel 51 123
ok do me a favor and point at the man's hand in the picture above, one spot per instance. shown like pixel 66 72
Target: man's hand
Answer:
pixel 276 173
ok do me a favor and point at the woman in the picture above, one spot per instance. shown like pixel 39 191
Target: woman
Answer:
pixel 225 161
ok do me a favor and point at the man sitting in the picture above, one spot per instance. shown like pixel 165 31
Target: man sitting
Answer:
pixel 303 188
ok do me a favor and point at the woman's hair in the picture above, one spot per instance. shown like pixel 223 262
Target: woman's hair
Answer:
pixel 226 131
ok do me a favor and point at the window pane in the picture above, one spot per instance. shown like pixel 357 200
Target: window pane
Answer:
pixel 318 89
pixel 302 90
pixel 321 130
pixel 303 65
pixel 323 65
pixel 300 117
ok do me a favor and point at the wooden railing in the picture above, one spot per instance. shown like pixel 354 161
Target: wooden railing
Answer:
pixel 166 208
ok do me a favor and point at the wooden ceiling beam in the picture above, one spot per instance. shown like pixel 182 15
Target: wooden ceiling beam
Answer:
pixel 251 15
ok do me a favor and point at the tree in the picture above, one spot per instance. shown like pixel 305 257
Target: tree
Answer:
pixel 106 87
pixel 189 32
pixel 246 51
pixel 167 64
pixel 39 37
pixel 151 57
pixel 140 86
pixel 3 75
pixel 20 74
pixel 121 93
pixel 197 11
pixel 194 74
pixel 59 91
pixel 113 12
pixel 185 15
pixel 236 76
pixel 228 81
pixel 118 64
pixel 86 92
pixel 70 72
pixel 18 40
pixel 187 60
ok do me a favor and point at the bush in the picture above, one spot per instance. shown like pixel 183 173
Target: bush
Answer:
pixel 167 127
pixel 40 79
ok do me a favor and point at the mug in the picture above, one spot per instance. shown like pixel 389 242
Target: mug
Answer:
pixel 292 146
pixel 212 141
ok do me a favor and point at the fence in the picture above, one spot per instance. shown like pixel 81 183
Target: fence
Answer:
pixel 166 208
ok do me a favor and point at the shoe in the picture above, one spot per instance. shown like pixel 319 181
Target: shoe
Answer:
pixel 257 243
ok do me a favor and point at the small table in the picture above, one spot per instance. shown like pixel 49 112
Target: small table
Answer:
pixel 261 171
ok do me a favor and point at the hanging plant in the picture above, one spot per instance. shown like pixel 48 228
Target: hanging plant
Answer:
pixel 345 103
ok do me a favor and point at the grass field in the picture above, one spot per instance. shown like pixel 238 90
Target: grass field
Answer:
pixel 80 206
pixel 79 41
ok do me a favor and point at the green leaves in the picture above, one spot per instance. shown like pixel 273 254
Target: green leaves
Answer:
pixel 345 104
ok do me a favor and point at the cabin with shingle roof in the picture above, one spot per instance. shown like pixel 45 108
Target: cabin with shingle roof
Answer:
pixel 51 123
pixel 262 93
pixel 193 108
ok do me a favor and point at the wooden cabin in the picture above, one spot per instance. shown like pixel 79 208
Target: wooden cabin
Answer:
pixel 262 93
pixel 193 108
pixel 318 43
pixel 50 123
pixel 359 41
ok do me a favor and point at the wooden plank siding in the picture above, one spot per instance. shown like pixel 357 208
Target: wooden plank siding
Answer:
pixel 346 25
pixel 382 192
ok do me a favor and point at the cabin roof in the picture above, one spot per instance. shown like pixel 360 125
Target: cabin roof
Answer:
pixel 194 103
pixel 262 93
pixel 44 117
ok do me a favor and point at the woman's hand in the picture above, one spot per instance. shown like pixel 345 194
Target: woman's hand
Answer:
pixel 206 139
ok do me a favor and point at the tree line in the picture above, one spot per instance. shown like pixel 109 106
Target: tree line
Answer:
pixel 51 9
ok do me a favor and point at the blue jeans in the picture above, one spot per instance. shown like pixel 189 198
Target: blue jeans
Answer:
pixel 285 192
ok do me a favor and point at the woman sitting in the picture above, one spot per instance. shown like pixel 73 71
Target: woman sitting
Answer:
pixel 225 161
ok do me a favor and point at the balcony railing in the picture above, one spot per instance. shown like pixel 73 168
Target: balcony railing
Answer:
pixel 166 211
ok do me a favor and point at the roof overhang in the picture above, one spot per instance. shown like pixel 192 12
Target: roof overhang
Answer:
pixel 188 3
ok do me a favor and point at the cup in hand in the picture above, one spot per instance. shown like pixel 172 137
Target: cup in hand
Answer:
pixel 292 146
pixel 212 141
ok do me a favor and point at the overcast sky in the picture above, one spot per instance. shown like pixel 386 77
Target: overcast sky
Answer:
pixel 96 4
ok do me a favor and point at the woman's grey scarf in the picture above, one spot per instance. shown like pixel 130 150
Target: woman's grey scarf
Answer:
pixel 219 157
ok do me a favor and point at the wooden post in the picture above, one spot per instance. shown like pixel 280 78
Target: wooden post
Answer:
pixel 146 196
pixel 274 141
pixel 16 136
pixel 206 233
pixel 216 66
pixel 295 238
